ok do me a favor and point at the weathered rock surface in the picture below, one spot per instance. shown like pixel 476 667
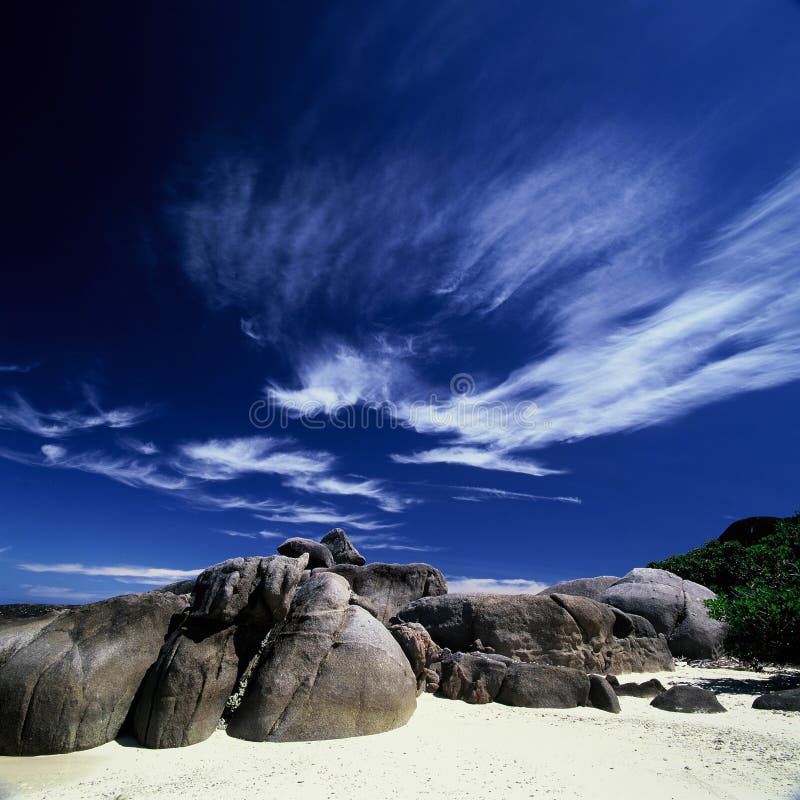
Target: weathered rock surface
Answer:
pixel 650 688
pixel 382 589
pixel 318 554
pixel 421 651
pixel 330 670
pixel 66 683
pixel 786 700
pixel 235 603
pixel 673 606
pixel 583 587
pixel 179 587
pixel 560 630
pixel 688 699
pixel 602 695
pixel 342 548
pixel 485 678
pixel 544 686
pixel 472 677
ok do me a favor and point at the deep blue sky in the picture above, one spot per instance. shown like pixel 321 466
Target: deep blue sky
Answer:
pixel 593 208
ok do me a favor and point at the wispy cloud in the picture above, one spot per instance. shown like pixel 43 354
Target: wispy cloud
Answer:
pixel 58 593
pixel 474 457
pixel 478 493
pixel 239 534
pixel 140 447
pixel 224 459
pixel 122 469
pixel 163 574
pixel 5 549
pixel 21 415
pixel 370 489
pixel 463 239
pixel 676 338
pixel 250 329
pixel 289 513
pixel 307 471
pixel 256 535
pixel 295 514
pixel 17 367
pixel 386 541
pixel 462 585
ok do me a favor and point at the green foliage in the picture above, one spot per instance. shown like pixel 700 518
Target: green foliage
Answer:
pixel 758 591
pixel 719 565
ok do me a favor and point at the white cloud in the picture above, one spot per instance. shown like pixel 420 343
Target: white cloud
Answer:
pixel 340 378
pixel 58 593
pixel 290 513
pixel 54 424
pixel 5 549
pixel 478 493
pixel 163 574
pixel 371 489
pixel 256 535
pixel 137 446
pixel 385 541
pixel 271 535
pixel 224 459
pixel 53 452
pixel 634 342
pixel 294 514
pixel 462 585
pixel 474 457
pixel 123 469
pixel 399 230
pixel 303 470
pixel 239 534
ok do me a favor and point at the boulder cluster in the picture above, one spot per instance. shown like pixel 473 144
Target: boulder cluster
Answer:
pixel 313 643
pixel 673 606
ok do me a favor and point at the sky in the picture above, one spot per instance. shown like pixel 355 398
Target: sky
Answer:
pixel 508 288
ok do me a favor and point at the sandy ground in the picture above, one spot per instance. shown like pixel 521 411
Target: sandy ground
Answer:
pixel 451 748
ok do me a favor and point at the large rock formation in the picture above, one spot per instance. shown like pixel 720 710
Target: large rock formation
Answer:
pixel 673 606
pixel 235 603
pixel 556 629
pixel 330 670
pixel 382 589
pixel 68 678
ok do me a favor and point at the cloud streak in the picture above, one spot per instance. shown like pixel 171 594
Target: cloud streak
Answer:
pixel 23 368
pixel 462 585
pixel 59 593
pixel 162 574
pixel 674 340
pixel 22 416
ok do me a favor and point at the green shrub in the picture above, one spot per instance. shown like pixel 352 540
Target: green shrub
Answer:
pixel 758 591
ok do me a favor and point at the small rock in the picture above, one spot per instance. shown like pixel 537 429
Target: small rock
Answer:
pixel 688 699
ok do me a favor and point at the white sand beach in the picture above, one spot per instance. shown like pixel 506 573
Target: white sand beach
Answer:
pixel 452 748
